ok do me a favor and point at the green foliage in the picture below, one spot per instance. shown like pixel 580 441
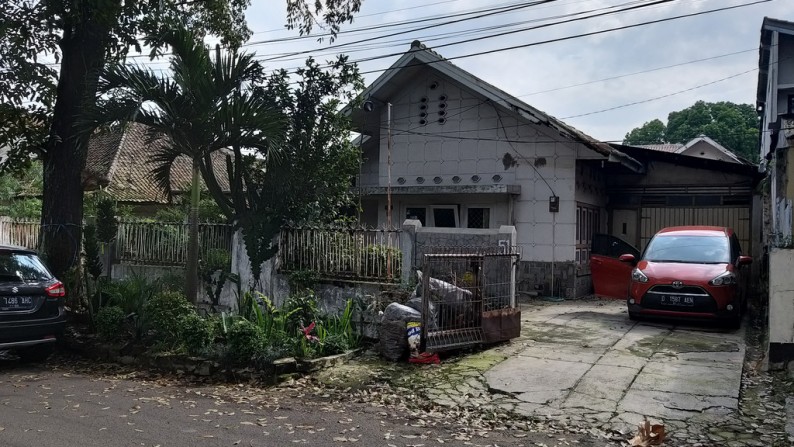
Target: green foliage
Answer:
pixel 652 132
pixel 93 262
pixel 164 312
pixel 244 341
pixel 19 192
pixel 106 223
pixel 310 181
pixel 209 211
pixel 109 322
pixel 195 333
pixel 301 280
pixel 301 310
pixel 132 294
pixel 214 271
pixel 336 333
pixel 734 126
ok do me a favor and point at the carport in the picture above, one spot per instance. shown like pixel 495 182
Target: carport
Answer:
pixel 683 190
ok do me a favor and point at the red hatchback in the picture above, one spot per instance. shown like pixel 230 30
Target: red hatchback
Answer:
pixel 693 272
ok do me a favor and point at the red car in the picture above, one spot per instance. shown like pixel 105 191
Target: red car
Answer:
pixel 693 272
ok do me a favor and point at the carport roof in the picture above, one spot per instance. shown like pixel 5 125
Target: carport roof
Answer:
pixel 645 155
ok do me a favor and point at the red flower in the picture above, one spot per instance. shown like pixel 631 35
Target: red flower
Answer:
pixel 307 332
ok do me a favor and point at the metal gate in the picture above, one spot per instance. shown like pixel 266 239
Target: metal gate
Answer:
pixel 654 219
pixel 468 297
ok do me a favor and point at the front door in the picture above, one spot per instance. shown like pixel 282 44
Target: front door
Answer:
pixel 611 276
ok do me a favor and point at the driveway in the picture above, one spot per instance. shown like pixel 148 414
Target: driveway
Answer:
pixel 588 360
pixel 585 366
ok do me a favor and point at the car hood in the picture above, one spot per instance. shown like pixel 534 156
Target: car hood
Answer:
pixel 681 271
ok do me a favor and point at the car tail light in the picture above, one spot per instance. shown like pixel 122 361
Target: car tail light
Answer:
pixel 56 290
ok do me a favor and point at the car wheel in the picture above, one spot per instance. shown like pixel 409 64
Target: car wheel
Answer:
pixel 36 353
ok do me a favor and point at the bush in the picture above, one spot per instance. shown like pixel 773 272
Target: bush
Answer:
pixel 164 313
pixel 132 294
pixel 109 322
pixel 196 333
pixel 244 341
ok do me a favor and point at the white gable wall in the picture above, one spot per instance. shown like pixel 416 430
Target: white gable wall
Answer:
pixel 474 141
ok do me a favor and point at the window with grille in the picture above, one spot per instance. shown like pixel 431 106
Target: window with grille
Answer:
pixel 588 223
pixel 478 217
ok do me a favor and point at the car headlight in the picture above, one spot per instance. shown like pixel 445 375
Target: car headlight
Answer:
pixel 725 279
pixel 637 275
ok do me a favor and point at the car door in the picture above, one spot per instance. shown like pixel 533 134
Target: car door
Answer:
pixel 610 276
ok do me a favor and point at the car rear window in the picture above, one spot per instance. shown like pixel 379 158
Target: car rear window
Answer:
pixel 25 266
pixel 690 249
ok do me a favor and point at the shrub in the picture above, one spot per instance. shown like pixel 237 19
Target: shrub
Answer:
pixel 132 294
pixel 245 340
pixel 196 333
pixel 300 311
pixel 164 312
pixel 109 322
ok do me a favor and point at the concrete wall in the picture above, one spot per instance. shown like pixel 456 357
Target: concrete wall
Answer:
pixel 781 308
pixel 497 147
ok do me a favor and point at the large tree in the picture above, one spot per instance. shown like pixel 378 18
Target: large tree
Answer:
pixel 40 102
pixel 735 126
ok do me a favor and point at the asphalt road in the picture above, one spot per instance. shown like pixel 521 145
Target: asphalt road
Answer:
pixel 65 402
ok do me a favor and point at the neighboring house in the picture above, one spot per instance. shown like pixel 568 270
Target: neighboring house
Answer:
pixel 465 154
pixel 118 162
pixel 775 104
pixel 700 146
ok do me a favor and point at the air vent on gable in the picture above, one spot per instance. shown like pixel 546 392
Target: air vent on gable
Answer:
pixel 456 179
pixel 420 180
pixel 475 178
pixel 401 180
pixel 437 180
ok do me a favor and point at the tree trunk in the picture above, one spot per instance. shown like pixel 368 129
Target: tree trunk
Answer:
pixel 83 54
pixel 191 269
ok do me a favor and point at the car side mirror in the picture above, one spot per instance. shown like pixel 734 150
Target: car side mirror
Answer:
pixel 628 258
pixel 744 260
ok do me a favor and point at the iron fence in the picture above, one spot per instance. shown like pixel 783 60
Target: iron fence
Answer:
pixel 468 296
pixel 159 243
pixel 342 253
pixel 22 233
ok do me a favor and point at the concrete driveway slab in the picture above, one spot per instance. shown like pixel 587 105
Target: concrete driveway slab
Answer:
pixel 588 360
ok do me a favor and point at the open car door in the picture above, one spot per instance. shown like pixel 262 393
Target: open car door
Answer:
pixel 610 275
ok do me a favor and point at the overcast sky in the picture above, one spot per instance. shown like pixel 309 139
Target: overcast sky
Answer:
pixel 728 39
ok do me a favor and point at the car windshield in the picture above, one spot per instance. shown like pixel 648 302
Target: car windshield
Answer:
pixel 25 266
pixel 688 249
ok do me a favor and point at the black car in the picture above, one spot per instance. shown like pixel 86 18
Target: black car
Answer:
pixel 32 314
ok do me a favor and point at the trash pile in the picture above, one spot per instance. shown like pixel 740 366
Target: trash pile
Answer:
pixel 400 325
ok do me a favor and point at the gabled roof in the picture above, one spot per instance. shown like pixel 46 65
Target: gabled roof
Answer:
pixel 677 148
pixel 118 160
pixel 769 27
pixel 420 56
pixel 712 143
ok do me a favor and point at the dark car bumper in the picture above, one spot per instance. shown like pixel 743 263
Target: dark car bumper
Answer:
pixel 16 334
pixel 719 315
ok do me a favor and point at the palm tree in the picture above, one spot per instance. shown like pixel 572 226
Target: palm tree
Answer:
pixel 202 107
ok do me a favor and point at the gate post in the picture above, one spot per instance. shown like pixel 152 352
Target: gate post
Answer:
pixel 407 247
pixel 508 233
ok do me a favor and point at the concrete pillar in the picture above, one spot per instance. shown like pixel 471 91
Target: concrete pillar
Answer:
pixel 507 240
pixel 407 247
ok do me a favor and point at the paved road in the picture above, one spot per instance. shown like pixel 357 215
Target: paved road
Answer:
pixel 65 403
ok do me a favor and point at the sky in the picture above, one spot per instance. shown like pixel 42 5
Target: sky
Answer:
pixel 565 79
pixel 604 84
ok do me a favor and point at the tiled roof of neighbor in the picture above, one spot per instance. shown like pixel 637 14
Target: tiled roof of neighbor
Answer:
pixel 119 160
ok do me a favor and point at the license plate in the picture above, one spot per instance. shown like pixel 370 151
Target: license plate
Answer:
pixel 675 300
pixel 16 302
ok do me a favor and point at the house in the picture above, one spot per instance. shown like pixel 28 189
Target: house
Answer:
pixel 118 162
pixel 775 104
pixel 451 150
pixel 700 146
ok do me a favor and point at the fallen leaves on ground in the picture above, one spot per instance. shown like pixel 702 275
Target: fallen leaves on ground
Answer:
pixel 648 435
